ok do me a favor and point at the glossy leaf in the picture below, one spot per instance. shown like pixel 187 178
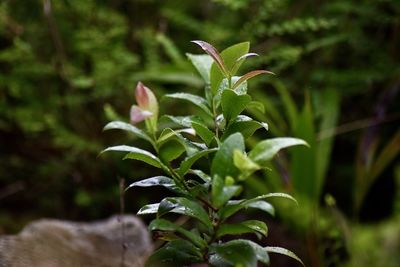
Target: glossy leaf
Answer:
pixel 168 135
pixel 261 254
pixel 190 160
pixel 155 181
pixel 171 150
pixel 250 75
pixel 244 164
pixel 189 208
pixel 235 253
pixel 256 105
pixel 194 99
pixel 270 195
pixel 149 209
pixel 203 132
pixel 261 205
pixel 266 150
pixel 222 163
pixel 148 158
pixel 185 121
pixel 129 128
pixel 250 226
pixel 233 104
pixel 165 225
pixel 206 178
pixel 234 206
pixel 244 125
pixel 203 65
pixel 175 253
pixel 283 251
pixel 221 193
pixel 230 56
pixel 247 56
pixel 136 153
pixel 239 61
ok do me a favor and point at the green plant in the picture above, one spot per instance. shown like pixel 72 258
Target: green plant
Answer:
pixel 206 194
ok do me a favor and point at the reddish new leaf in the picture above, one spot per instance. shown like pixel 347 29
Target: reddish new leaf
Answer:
pixel 213 52
pixel 249 75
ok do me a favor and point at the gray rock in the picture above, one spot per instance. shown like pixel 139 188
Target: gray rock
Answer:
pixel 56 243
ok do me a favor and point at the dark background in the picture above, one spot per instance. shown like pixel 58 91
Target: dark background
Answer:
pixel 68 67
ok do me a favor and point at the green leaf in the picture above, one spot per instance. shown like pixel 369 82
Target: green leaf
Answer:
pixel 170 151
pixel 136 153
pixel 234 206
pixel 159 181
pixel 203 132
pixel 185 121
pixel 127 127
pixel 224 85
pixel 256 105
pixel 203 65
pixel 250 226
pixel 250 75
pixel 156 181
pixel 261 205
pixel 194 99
pixel 164 225
pixel 239 62
pixel 149 209
pixel 222 163
pixel 229 56
pixel 168 135
pixel 266 150
pixel 233 104
pixel 190 160
pixel 246 166
pixel 262 255
pixel 270 195
pixel 244 125
pixel 175 253
pixel 283 251
pixel 187 207
pixel 233 56
pixel 221 193
pixel 206 178
pixel 235 253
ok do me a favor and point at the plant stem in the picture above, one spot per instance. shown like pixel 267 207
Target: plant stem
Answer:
pixel 215 118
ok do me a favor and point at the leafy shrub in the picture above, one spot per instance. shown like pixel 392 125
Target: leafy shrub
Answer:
pixel 205 194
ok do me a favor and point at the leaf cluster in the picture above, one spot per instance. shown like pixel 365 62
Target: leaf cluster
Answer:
pixel 209 195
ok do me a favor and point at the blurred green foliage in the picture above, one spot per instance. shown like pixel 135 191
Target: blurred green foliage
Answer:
pixel 67 66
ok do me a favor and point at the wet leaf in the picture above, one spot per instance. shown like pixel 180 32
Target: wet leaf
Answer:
pixel 194 99
pixel 233 104
pixel 266 150
pixel 284 251
pixel 129 128
pixel 136 153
